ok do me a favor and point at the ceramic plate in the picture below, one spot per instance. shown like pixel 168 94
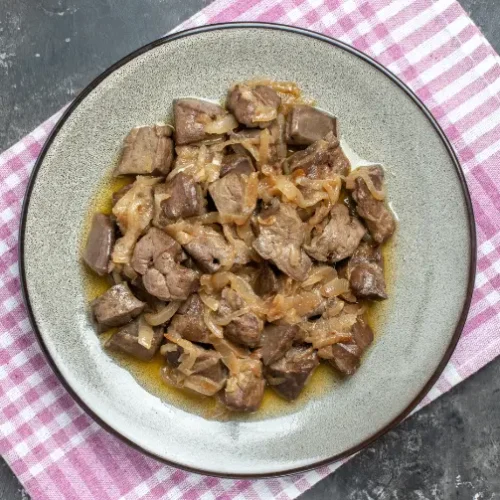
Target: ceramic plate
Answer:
pixel 431 266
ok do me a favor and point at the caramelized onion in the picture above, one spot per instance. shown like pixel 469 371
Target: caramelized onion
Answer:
pixel 163 315
pixel 133 212
pixel 248 143
pixel 319 274
pixel 358 309
pixel 215 329
pixel 305 302
pixel 331 187
pixel 291 193
pixel 230 354
pixel 292 308
pixel 225 320
pixel 165 348
pixel 265 139
pixel 221 125
pixel 203 385
pixel 342 323
pixel 146 334
pixel 283 87
pixel 335 287
pixel 205 219
pixel 241 252
pixel 281 148
pixel 330 339
pixel 183 232
pixel 245 233
pixel 321 212
pixel 189 355
pixel 251 193
pixel 210 301
pixel 277 308
pixel 335 309
pixel 212 172
pixel 196 383
pixel 202 162
pixel 245 291
pixel 362 173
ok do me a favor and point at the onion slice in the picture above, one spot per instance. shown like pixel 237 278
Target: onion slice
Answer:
pixel 221 125
pixel 146 334
pixel 164 314
pixel 335 287
pixel 362 173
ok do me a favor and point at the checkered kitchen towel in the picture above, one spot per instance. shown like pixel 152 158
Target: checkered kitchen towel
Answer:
pixel 57 451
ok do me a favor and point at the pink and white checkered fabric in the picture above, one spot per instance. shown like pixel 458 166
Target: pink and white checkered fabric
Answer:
pixel 57 451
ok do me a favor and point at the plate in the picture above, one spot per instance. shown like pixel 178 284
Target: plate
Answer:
pixel 432 262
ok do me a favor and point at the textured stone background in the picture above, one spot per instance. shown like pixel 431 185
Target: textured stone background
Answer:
pixel 51 49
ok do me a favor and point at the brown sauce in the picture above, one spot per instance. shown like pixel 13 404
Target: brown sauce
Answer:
pixel 147 374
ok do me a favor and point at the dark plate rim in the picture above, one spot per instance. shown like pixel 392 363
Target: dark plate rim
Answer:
pixel 338 44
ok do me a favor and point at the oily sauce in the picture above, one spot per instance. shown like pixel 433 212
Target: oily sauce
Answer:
pixel 147 373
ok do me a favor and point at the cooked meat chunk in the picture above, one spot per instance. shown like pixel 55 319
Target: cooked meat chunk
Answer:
pixel 253 107
pixel 209 249
pixel 289 375
pixel 276 341
pixel 345 357
pixel 180 197
pixel 365 272
pixel 280 239
pixel 339 239
pixel 236 164
pixel 126 340
pixel 189 323
pixel 376 215
pixel 158 258
pixel 266 282
pixel 151 246
pixel 191 117
pixel 116 307
pixel 207 376
pixel 362 334
pixel 153 304
pixel 147 150
pixel 306 125
pixel 245 389
pixel 169 280
pixel 321 160
pixel 245 329
pixel 232 197
pixel 99 244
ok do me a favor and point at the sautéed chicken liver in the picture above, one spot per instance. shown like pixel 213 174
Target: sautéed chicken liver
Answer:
pixel 245 249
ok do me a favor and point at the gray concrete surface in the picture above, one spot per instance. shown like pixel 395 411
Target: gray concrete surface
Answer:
pixel 50 49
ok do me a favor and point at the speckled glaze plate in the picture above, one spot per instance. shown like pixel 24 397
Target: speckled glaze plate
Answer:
pixel 432 265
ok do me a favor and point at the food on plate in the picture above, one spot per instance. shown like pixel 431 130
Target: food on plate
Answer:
pixel 245 250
